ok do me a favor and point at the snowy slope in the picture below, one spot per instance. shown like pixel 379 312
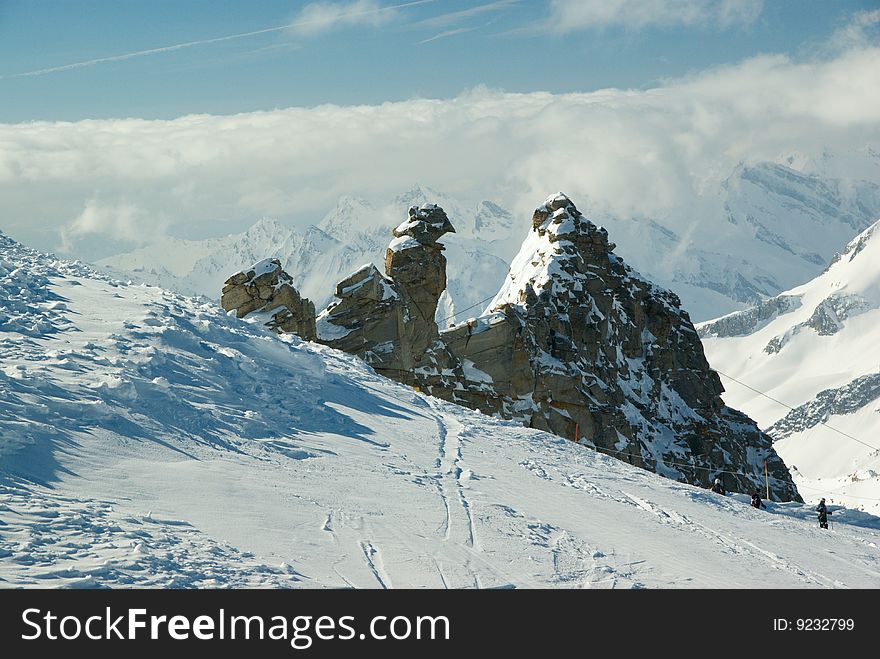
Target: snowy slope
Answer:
pixel 815 348
pixel 150 439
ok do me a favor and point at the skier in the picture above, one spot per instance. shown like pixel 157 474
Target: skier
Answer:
pixel 756 501
pixel 823 514
pixel 717 487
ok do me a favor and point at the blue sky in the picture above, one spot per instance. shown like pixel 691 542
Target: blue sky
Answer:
pixel 366 52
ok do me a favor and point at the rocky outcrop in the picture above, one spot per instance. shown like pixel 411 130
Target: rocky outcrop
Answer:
pixel 747 321
pixel 366 321
pixel 848 399
pixel 827 319
pixel 266 288
pixel 575 343
pixel 579 344
pixel 389 320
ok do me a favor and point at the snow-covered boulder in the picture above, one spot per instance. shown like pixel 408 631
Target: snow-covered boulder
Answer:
pixel 266 288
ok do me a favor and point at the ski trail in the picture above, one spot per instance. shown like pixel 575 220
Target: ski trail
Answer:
pixel 455 473
pixel 451 474
pixel 447 520
pixel 731 543
pixel 342 534
pixel 438 464
pixel 449 477
pixel 440 572
pixel 342 576
pixel 374 562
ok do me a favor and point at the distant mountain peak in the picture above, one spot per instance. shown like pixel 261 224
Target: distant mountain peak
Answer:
pixel 268 226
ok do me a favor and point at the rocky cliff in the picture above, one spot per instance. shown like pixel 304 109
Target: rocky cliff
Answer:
pixel 575 342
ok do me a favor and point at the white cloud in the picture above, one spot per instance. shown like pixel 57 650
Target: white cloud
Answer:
pixel 632 152
pixel 114 222
pixel 323 16
pixel 568 15
pixel 448 33
pixel 862 30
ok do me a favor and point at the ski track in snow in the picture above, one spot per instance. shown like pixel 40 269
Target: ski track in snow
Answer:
pixel 450 464
pixel 374 562
pixel 728 542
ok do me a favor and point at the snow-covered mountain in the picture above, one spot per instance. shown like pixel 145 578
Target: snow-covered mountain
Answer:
pixel 814 348
pixel 148 439
pixel 352 234
pixel 764 228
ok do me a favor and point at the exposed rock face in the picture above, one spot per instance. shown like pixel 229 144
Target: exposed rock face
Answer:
pixel 575 342
pixel 266 288
pixel 366 321
pixel 827 318
pixel 741 323
pixel 847 399
pixel 389 320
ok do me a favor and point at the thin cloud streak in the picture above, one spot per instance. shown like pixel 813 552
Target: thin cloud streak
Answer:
pixel 200 42
pixel 448 33
pixel 453 17
pixel 573 15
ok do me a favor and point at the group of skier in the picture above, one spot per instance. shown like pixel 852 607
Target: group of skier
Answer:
pixel 823 511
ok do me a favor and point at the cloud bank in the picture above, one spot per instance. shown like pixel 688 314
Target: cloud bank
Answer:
pixel 118 222
pixel 628 152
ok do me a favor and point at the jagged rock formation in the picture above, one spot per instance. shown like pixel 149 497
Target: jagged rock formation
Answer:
pixel 266 288
pixel 850 398
pixel 389 321
pixel 750 320
pixel 827 319
pixel 575 343
pixel 578 344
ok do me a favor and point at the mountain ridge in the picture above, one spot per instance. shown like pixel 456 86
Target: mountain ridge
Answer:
pixel 733 246
pixel 814 348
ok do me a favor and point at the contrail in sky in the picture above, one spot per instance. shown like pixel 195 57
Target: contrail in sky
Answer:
pixel 202 42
